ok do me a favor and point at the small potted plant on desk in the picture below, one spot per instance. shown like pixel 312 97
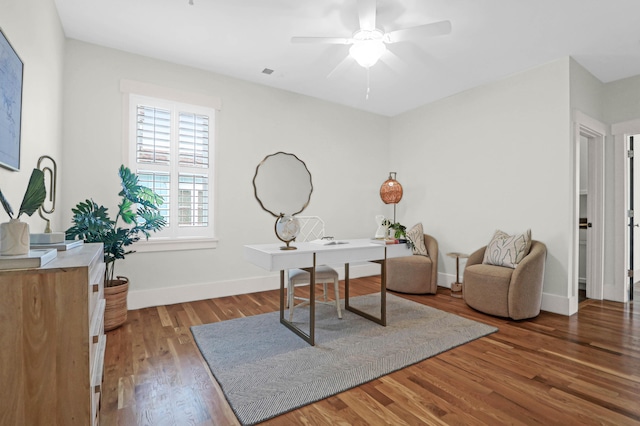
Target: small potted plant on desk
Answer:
pixel 139 212
pixel 399 231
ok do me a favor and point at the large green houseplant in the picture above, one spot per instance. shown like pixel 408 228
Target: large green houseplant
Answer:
pixel 138 215
pixel 14 235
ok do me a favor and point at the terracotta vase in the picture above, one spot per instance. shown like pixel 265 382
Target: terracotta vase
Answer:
pixel 115 295
pixel 14 238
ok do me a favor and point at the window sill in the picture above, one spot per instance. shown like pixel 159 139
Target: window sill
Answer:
pixel 174 244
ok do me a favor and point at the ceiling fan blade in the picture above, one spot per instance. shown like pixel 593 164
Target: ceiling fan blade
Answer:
pixel 367 14
pixel 394 62
pixel 341 68
pixel 421 31
pixel 321 40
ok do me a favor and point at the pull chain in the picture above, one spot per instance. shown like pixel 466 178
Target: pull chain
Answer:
pixel 368 88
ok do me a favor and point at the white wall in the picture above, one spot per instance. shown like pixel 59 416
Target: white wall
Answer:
pixel 622 100
pixel 493 157
pixel 586 91
pixel 346 151
pixel 34 31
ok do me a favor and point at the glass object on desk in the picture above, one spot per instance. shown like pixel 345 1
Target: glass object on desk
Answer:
pixel 287 229
pixel 282 185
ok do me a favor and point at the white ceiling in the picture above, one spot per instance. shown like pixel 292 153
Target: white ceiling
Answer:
pixel 490 39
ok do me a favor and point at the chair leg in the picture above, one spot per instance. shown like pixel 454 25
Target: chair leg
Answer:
pixel 291 301
pixel 336 293
pixel 291 297
pixel 288 284
pixel 286 302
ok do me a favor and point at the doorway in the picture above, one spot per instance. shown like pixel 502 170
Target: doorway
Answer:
pixel 633 201
pixel 588 240
pixel 584 219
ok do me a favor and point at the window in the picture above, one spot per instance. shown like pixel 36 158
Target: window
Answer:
pixel 171 150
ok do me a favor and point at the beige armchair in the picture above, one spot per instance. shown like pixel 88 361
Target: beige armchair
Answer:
pixel 506 292
pixel 415 274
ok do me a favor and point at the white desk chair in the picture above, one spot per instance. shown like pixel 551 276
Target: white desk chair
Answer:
pixel 312 228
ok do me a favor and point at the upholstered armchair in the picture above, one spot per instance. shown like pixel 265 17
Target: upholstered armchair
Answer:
pixel 415 274
pixel 506 292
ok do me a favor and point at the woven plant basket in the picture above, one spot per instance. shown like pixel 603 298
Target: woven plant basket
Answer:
pixel 115 313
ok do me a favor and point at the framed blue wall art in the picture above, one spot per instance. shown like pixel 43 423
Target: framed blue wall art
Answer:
pixel 11 74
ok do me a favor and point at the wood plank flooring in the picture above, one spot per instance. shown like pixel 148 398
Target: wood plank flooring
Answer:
pixel 552 370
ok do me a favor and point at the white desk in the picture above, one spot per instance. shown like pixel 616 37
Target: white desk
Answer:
pixel 309 255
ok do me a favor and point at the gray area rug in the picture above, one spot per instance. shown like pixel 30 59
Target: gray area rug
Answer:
pixel 265 370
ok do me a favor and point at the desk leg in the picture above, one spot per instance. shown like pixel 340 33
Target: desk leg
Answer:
pixel 383 290
pixel 282 295
pixel 312 303
pixel 346 286
pixel 310 337
pixel 383 294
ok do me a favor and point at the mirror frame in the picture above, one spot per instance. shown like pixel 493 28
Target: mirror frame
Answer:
pixel 255 189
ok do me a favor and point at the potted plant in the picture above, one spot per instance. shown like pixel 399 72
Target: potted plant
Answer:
pixel 399 231
pixel 138 214
pixel 14 235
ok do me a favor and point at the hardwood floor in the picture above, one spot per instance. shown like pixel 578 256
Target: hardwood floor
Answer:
pixel 582 370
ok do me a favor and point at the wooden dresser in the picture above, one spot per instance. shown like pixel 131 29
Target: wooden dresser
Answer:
pixel 52 340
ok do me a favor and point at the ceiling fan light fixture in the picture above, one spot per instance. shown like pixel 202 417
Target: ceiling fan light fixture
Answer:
pixel 368 47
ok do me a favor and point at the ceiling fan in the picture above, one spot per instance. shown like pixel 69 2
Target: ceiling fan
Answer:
pixel 368 43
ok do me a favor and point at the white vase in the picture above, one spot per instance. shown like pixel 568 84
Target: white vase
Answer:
pixel 381 232
pixel 14 238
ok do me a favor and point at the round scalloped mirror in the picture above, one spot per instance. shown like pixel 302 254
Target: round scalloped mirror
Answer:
pixel 283 187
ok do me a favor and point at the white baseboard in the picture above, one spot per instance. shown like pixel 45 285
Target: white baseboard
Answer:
pixel 139 299
pixel 562 305
pixel 445 280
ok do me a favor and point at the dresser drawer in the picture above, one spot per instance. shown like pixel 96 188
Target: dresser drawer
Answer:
pixel 96 377
pixel 96 286
pixel 96 329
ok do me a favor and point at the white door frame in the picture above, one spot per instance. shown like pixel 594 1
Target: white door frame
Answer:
pixel 595 132
pixel 619 291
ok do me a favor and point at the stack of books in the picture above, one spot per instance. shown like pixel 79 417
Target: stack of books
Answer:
pixel 388 241
pixel 64 245
pixel 34 259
